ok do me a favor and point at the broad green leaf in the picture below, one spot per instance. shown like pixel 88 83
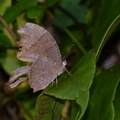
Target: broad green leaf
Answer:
pixel 62 20
pixel 102 95
pixel 34 12
pixel 4 40
pixel 8 59
pixel 79 12
pixel 48 108
pixel 58 107
pixel 108 11
pixel 3 5
pixel 10 63
pixel 75 112
pixel 70 12
pixel 83 102
pixel 13 12
pixel 110 113
pixel 77 87
pixel 51 2
pixel 117 103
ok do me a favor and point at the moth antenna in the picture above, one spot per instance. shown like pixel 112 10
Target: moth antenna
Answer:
pixel 8 29
pixel 68 72
pixel 65 57
pixel 68 52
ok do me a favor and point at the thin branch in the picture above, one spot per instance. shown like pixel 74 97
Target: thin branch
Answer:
pixel 8 47
pixel 8 29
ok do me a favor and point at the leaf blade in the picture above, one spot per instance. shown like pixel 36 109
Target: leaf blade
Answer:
pixel 102 95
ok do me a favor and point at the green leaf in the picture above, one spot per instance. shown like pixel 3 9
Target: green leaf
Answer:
pixel 70 12
pixel 13 12
pixel 48 108
pixel 62 20
pixel 58 107
pixel 75 112
pixel 3 5
pixel 34 12
pixel 83 102
pixel 4 40
pixel 104 19
pixel 51 2
pixel 8 59
pixel 79 12
pixel 10 62
pixel 77 87
pixel 117 103
pixel 102 95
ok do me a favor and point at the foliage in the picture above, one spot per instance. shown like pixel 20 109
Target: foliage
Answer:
pixel 92 92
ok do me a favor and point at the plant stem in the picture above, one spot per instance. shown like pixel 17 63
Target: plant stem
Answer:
pixel 75 40
pixel 71 36
pixel 8 29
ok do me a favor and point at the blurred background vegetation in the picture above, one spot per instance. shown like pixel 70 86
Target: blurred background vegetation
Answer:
pixel 78 26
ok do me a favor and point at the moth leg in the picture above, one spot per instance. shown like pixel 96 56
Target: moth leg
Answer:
pixel 17 73
pixel 16 83
pixel 56 82
pixel 52 83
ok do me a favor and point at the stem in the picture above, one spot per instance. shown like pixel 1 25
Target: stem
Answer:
pixel 8 47
pixel 75 40
pixel 71 36
pixel 8 29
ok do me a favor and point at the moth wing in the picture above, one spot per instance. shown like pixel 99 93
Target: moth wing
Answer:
pixel 50 49
pixel 40 49
pixel 43 72
pixel 39 41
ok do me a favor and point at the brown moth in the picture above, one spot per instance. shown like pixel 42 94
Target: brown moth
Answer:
pixel 41 51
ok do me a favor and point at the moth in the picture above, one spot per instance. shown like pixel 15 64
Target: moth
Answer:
pixel 44 63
